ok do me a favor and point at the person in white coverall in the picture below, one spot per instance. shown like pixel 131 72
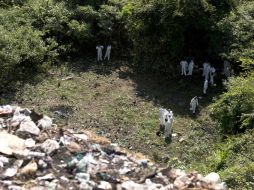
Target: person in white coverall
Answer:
pixel 205 87
pixel 206 69
pixel 108 51
pixel 184 65
pixel 194 104
pixel 212 74
pixel 190 67
pixel 99 52
pixel 166 120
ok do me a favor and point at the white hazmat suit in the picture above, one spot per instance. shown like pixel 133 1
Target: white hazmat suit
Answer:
pixel 166 120
pixel 108 51
pixel 184 65
pixel 212 74
pixel 206 68
pixel 99 52
pixel 190 67
pixel 194 104
pixel 205 86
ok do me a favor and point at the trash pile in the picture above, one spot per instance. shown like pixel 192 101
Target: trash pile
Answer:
pixel 36 155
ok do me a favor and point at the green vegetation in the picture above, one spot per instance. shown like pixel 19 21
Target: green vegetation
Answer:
pixel 43 41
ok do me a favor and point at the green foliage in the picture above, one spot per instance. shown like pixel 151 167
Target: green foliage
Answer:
pixel 238 29
pixel 234 108
pixel 8 3
pixel 22 46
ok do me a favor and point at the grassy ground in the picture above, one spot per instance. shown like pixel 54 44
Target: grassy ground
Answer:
pixel 122 105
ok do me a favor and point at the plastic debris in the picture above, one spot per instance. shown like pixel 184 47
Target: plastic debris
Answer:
pixel 66 159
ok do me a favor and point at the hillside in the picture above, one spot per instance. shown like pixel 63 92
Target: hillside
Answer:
pixel 117 103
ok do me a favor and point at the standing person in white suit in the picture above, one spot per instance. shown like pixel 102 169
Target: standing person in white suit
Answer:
pixel 207 71
pixel 212 74
pixel 184 65
pixel 190 67
pixel 166 121
pixel 205 87
pixel 108 51
pixel 194 104
pixel 99 52
pixel 206 67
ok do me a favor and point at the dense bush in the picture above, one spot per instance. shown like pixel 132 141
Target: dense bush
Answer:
pixel 234 108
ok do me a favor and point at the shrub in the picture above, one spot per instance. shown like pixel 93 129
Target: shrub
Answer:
pixel 234 108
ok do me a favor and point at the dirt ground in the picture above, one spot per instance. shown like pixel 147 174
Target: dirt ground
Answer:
pixel 120 104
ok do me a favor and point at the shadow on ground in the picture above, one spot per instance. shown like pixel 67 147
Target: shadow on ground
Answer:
pixel 172 93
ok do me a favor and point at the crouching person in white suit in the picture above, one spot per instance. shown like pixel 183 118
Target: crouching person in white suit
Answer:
pixel 99 52
pixel 166 120
pixel 194 104
pixel 108 51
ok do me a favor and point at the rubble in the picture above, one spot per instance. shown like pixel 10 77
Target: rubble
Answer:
pixel 36 156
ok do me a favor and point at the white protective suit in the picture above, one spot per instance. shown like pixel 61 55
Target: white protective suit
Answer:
pixel 108 51
pixel 184 65
pixel 206 68
pixel 205 86
pixel 190 67
pixel 99 52
pixel 166 120
pixel 212 74
pixel 194 104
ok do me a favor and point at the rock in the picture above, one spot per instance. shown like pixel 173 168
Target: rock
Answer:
pixel 3 160
pixel 10 144
pixel 73 147
pixel 36 154
pixel 2 123
pixel 47 177
pixel 104 185
pixel 82 177
pixel 64 179
pixel 212 178
pixel 30 168
pixel 7 109
pixel 29 127
pixel 12 171
pixel 42 164
pixel 29 143
pixel 221 186
pixel 49 146
pixel 45 122
pixel 14 187
pixel 130 185
pixel 82 137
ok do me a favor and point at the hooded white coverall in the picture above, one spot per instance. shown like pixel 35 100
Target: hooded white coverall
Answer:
pixel 108 51
pixel 212 74
pixel 184 65
pixel 166 120
pixel 190 67
pixel 205 86
pixel 194 104
pixel 99 52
